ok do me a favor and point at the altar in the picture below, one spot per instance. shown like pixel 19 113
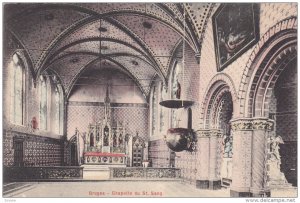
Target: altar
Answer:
pixel 106 144
pixel 109 144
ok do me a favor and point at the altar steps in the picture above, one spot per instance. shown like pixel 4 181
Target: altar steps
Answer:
pixel 15 188
pixel 97 172
pixel 91 180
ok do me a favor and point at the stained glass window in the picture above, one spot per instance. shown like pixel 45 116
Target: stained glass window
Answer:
pixel 43 102
pixel 17 90
pixel 176 78
pixel 154 109
pixel 57 107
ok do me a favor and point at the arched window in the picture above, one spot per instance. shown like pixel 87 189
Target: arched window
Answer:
pixel 58 108
pixel 175 90
pixel 176 81
pixel 17 90
pixel 154 109
pixel 43 90
pixel 162 110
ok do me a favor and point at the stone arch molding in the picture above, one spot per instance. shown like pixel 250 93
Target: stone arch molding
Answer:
pixel 73 140
pixel 269 58
pixel 219 85
pixel 26 62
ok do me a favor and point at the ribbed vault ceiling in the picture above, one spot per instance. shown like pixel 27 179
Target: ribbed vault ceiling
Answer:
pixel 137 38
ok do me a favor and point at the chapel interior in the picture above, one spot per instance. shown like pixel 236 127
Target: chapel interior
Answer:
pixel 199 95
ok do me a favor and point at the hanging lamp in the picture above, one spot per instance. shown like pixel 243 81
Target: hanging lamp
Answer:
pixel 176 104
pixel 180 139
pixel 179 103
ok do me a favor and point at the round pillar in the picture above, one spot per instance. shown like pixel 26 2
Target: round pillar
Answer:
pixel 209 152
pixel 241 158
pixel 261 128
pixel 215 154
pixel 249 156
pixel 202 174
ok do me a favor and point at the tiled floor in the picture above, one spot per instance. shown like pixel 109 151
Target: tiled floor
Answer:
pixel 117 189
pixel 122 189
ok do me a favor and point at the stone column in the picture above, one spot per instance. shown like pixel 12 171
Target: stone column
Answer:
pixel 261 127
pixel 65 118
pixel 209 159
pixel 202 162
pixel 145 154
pixel 129 155
pixel 215 154
pixel 64 153
pixel 241 158
pixel 249 156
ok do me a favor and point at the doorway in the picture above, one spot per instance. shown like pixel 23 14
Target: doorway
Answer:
pixel 137 155
pixel 283 110
pixel 74 161
pixel 18 153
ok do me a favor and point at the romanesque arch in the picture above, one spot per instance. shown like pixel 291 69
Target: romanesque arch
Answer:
pixel 275 49
pixel 217 110
pixel 220 88
pixel 254 125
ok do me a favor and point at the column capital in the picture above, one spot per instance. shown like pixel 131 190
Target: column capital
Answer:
pixel 263 124
pixel 209 133
pixel 249 124
pixel 216 133
pixel 202 133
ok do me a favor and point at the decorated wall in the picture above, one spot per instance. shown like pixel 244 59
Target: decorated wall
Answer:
pixel 269 15
pixel 41 147
pixel 284 112
pixel 37 150
pixel 31 96
pixel 134 116
pixel 86 103
pixel 87 75
pixel 195 164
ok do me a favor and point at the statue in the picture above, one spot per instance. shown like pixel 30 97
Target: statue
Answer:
pixel 227 142
pixel 120 140
pixel 274 148
pixel 277 178
pixel 92 140
pixel 97 137
pixel 178 90
pixel 83 136
pixel 106 136
pixel 226 169
pixel 33 124
pixel 114 140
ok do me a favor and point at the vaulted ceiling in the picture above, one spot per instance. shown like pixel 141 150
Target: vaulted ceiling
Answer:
pixel 139 38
